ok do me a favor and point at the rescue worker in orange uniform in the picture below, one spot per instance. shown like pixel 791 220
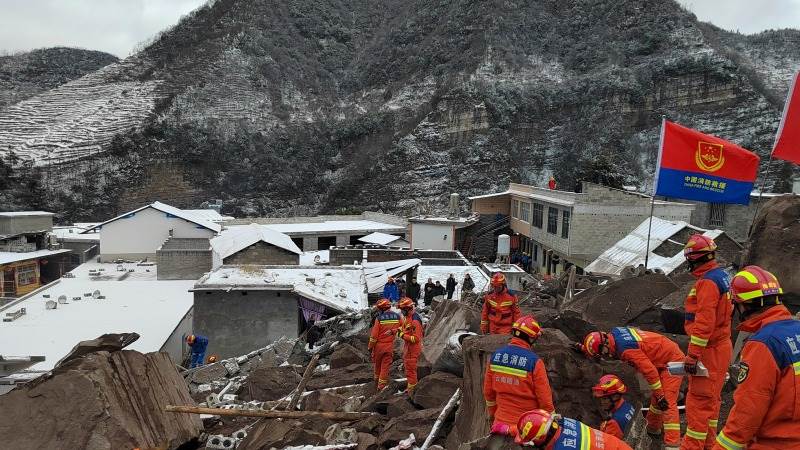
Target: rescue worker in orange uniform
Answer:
pixel 381 341
pixel 516 380
pixel 410 332
pixel 617 412
pixel 766 410
pixel 500 308
pixel 708 325
pixel 649 353
pixel 544 430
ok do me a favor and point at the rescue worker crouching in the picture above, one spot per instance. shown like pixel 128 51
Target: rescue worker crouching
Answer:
pixel 381 341
pixel 197 344
pixel 766 409
pixel 500 308
pixel 618 414
pixel 411 332
pixel 544 430
pixel 515 381
pixel 649 353
pixel 708 325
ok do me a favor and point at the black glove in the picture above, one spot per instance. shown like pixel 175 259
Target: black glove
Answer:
pixel 577 347
pixel 662 403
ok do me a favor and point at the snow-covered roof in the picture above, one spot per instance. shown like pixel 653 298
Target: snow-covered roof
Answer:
pixel 171 210
pixel 334 226
pixel 630 250
pixel 341 288
pixel 441 273
pixel 138 303
pixel 75 233
pixel 25 213
pixel 10 257
pixel 310 258
pixel 496 194
pixel 459 222
pixel 380 238
pixel 533 195
pixel 378 273
pixel 506 268
pixel 209 214
pixel 235 239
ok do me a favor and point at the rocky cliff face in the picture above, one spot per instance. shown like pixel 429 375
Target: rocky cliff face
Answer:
pixel 319 106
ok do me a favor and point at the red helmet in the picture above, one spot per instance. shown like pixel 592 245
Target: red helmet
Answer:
pixel 383 304
pixel 698 246
pixel 190 339
pixel 498 279
pixel 754 283
pixel 593 344
pixel 528 326
pixel 211 359
pixel 609 385
pixel 534 426
pixel 405 303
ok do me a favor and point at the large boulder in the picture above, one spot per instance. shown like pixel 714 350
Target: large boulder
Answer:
pixel 345 355
pixel 278 433
pixel 345 376
pixel 448 317
pixel 101 401
pixel 267 383
pixel 323 401
pixel 419 423
pixel 435 390
pixel 396 406
pixel 774 243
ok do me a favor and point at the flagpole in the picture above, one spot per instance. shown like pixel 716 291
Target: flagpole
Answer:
pixel 655 188
pixel 760 194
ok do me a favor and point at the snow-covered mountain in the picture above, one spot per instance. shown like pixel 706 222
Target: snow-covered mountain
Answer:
pixel 330 105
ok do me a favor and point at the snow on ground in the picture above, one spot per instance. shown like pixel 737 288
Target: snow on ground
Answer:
pixel 135 302
pixel 309 258
pixel 73 232
pixel 342 287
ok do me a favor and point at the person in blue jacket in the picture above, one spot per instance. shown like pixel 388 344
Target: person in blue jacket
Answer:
pixel 198 344
pixel 391 291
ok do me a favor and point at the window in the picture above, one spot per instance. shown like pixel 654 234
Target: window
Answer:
pixel 26 275
pixel 716 217
pixel 538 213
pixel 552 220
pixel 525 212
pixel 515 209
pixel 565 224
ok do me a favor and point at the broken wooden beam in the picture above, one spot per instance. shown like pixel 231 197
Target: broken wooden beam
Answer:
pixel 330 415
pixel 302 386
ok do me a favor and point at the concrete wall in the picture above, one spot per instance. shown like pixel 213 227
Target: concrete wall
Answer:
pixel 81 248
pixel 25 224
pixel 429 236
pixel 263 253
pixel 236 322
pixel 139 236
pixel 343 256
pixel 737 220
pixel 182 264
pixel 175 345
pixel 492 205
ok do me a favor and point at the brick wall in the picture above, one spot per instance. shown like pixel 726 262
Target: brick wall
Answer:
pixel 176 264
pixel 262 253
pixel 737 219
pixel 25 224
pixel 342 256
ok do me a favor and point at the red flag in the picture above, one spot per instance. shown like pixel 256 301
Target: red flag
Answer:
pixel 787 142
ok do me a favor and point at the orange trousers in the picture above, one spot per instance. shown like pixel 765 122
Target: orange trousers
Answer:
pixel 669 420
pixel 704 398
pixel 382 361
pixel 410 365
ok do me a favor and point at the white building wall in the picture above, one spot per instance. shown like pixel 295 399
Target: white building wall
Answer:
pixel 175 344
pixel 429 236
pixel 139 236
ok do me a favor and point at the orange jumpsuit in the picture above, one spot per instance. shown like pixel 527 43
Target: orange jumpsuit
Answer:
pixel 411 333
pixel 766 410
pixel 515 383
pixel 649 353
pixel 574 435
pixel 381 345
pixel 708 324
pixel 620 420
pixel 500 311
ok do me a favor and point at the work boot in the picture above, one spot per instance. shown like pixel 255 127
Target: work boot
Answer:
pixel 656 434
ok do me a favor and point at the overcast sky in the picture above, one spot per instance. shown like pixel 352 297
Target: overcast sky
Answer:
pixel 116 26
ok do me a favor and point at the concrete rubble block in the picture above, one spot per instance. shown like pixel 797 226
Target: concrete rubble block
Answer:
pixel 396 406
pixel 339 434
pixel 202 388
pixel 418 423
pixel 101 401
pixel 209 373
pixel 269 383
pixel 352 374
pixel 231 366
pixel 345 355
pixel 323 401
pixel 220 442
pixel 447 319
pixel 372 425
pixel 283 347
pixel 277 433
pixel 435 390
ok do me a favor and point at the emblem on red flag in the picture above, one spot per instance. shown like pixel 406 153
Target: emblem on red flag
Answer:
pixel 709 156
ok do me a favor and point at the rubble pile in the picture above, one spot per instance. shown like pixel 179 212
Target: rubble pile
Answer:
pixel 775 243
pixel 101 399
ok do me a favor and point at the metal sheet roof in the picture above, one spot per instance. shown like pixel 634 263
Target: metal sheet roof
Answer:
pixel 630 250
pixel 235 239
